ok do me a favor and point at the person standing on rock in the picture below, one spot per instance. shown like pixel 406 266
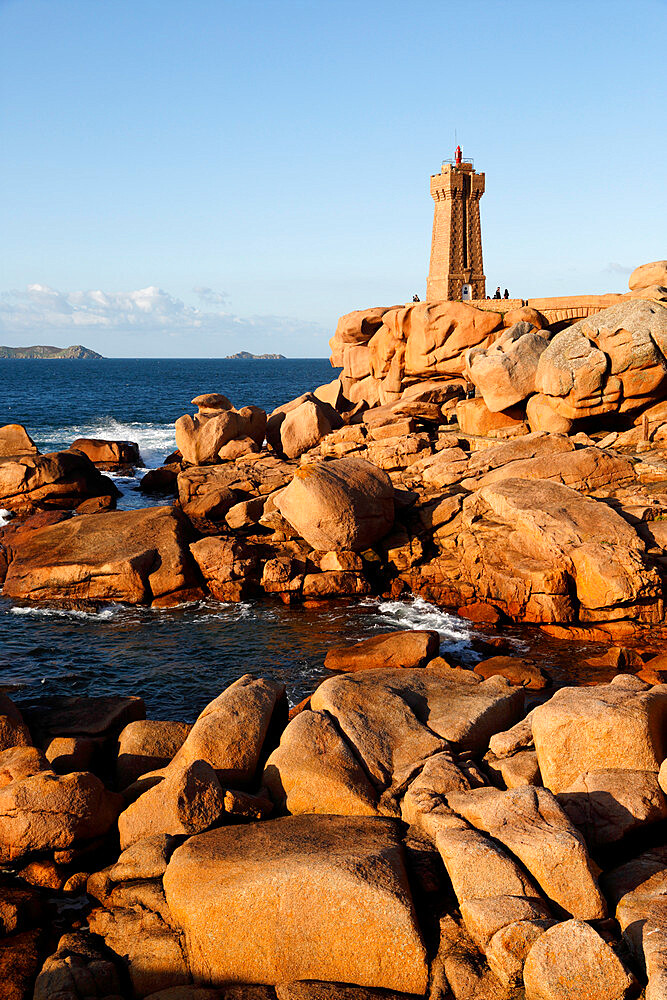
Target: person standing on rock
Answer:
pixel 506 295
pixel 497 295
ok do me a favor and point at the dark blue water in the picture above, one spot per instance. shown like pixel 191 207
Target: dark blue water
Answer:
pixel 176 660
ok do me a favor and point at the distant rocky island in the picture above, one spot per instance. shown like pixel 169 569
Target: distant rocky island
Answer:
pixel 247 356
pixel 45 353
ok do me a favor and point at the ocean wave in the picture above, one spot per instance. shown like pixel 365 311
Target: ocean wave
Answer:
pixel 155 440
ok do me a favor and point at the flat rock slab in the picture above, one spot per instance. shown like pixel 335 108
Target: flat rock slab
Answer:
pixel 303 897
pixel 409 648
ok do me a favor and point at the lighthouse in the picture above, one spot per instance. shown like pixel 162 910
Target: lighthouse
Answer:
pixel 456 270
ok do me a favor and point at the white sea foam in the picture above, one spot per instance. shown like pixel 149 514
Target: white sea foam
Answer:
pixel 104 615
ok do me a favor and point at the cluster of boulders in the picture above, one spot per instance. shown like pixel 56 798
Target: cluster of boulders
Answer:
pixel 413 829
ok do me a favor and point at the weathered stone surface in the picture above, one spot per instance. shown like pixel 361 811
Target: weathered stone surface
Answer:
pixel 344 504
pixel 410 648
pixel 518 671
pixel 646 275
pixel 396 719
pixel 132 556
pixel 508 949
pixel 78 968
pixel 542 417
pixel 611 361
pixel 570 961
pixel 46 811
pixel 147 943
pixel 336 991
pixel 505 372
pixel 15 440
pixel 534 546
pixel 231 731
pixel 188 800
pixel 485 917
pixel 21 762
pixel 315 770
pixel 608 804
pixel 19 964
pixel 303 428
pixel 533 826
pixel 476 418
pixel 108 454
pixel 587 469
pixel 60 479
pixel 458 967
pixel 479 868
pixel 424 804
pixel 200 438
pixel 101 716
pixel 222 562
pixel 146 745
pixel 618 725
pixel 248 913
pixel 146 858
pixel 13 730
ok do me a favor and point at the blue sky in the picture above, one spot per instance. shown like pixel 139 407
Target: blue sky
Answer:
pixel 194 178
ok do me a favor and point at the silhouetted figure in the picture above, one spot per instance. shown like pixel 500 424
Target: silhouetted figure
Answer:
pixel 415 298
pixel 506 295
pixel 497 294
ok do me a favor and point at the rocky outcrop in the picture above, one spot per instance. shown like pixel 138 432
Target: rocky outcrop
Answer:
pixel 201 438
pixel 505 372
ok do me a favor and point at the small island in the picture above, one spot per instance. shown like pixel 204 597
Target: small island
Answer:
pixel 247 356
pixel 45 353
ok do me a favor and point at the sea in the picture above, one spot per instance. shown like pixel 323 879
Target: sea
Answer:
pixel 178 660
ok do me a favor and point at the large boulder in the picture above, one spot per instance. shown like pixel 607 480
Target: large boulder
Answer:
pixel 45 811
pixel 146 745
pixel 648 275
pixel 609 804
pixel 411 648
pixel 344 504
pixel 618 725
pixel 61 479
pixel 533 826
pixel 586 469
pixel 188 801
pixel 315 770
pixel 304 897
pixel 505 372
pixel 206 437
pixel 355 328
pixel 133 556
pixel 544 552
pixel 570 961
pixel 475 418
pixel 613 361
pixel 13 730
pixel 303 428
pixel 15 440
pixel 108 454
pixel 430 338
pixel 231 732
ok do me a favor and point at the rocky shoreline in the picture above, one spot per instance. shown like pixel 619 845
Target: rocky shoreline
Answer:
pixel 415 827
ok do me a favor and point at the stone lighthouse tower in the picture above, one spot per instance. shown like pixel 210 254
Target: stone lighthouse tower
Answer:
pixel 456 270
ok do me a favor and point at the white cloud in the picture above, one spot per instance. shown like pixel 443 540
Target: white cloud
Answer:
pixel 41 312
pixel 613 268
